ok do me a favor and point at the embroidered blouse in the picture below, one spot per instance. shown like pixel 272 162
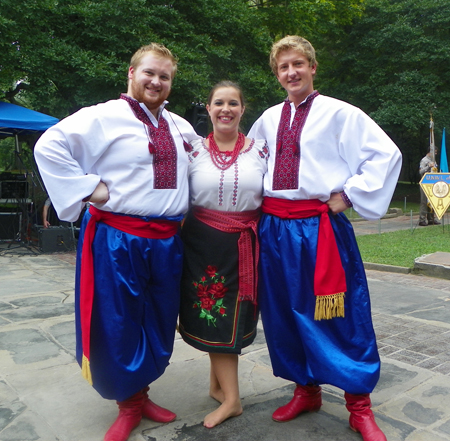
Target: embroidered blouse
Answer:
pixel 239 188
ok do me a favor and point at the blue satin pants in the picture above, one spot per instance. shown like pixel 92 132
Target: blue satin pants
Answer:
pixel 341 351
pixel 135 310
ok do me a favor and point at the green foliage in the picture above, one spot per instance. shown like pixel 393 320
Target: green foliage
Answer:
pixel 7 148
pixel 307 18
pixel 393 63
pixel 400 248
pixel 10 160
pixel 216 44
pixel 406 190
pixel 73 53
pixel 76 52
pixel 389 57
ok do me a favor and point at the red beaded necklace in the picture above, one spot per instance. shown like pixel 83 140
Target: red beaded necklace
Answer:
pixel 219 158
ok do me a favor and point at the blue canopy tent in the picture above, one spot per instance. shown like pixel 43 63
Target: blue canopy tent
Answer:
pixel 18 120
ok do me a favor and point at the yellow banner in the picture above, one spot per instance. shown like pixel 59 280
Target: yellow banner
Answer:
pixel 436 187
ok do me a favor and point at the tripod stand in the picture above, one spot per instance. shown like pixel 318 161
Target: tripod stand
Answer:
pixel 18 194
pixel 23 237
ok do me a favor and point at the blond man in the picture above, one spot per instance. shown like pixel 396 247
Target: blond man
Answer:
pixel 325 156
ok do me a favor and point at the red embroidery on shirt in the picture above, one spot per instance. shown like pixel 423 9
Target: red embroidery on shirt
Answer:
pixel 287 159
pixel 236 184
pixel 221 184
pixel 162 147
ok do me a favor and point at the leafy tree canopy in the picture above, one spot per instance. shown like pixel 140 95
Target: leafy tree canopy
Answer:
pixel 306 17
pixel 74 53
pixel 58 56
pixel 393 63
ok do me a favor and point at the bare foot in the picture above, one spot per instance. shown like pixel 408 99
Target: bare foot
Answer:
pixel 217 394
pixel 222 413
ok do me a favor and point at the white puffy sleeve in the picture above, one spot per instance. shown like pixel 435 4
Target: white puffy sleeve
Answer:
pixel 374 162
pixel 65 155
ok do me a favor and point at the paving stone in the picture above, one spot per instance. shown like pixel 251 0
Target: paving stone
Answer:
pixel 387 350
pixel 443 368
pixel 444 428
pixel 425 348
pixel 41 312
pixel 27 346
pixel 408 356
pixel 444 357
pixel 398 341
pixel 30 427
pixel 64 334
pixel 426 435
pixel 11 407
pixel 43 396
pixel 430 363
pixel 5 306
pixel 420 414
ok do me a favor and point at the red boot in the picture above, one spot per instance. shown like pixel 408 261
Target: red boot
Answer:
pixel 130 415
pixel 362 418
pixel 306 399
pixel 154 412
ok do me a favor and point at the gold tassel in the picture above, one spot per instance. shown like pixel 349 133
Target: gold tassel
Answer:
pixel 86 370
pixel 328 307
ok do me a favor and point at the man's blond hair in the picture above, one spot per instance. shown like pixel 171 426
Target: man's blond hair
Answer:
pixel 295 42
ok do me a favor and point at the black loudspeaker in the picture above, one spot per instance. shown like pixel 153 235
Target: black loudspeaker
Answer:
pixel 13 190
pixel 10 225
pixel 55 239
pixel 197 115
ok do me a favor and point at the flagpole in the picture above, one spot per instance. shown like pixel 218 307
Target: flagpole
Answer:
pixel 443 163
pixel 432 145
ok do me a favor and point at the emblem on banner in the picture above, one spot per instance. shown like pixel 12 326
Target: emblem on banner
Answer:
pixel 436 187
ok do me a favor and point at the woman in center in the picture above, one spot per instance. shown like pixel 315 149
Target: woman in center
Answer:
pixel 219 310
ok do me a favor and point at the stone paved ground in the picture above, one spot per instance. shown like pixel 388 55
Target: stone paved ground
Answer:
pixel 43 396
pixel 418 343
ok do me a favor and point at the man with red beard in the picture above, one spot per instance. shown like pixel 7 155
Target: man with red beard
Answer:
pixel 127 158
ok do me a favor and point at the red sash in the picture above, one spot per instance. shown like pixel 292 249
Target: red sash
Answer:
pixel 235 222
pixel 156 229
pixel 329 275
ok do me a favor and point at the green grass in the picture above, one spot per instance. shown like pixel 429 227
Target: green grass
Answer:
pixel 406 197
pixel 400 248
pixel 410 206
